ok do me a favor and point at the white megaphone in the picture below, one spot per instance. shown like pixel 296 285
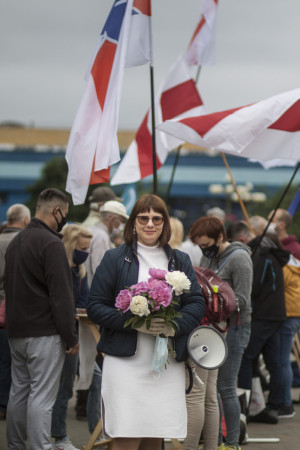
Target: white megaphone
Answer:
pixel 207 347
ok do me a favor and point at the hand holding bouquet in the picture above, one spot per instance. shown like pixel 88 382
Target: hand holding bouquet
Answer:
pixel 153 305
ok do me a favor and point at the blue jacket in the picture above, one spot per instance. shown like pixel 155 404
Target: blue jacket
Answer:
pixel 119 270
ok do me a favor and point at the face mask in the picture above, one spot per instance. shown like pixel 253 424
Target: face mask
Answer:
pixel 117 231
pixel 211 251
pixel 79 256
pixel 272 228
pixel 62 223
pixel 121 227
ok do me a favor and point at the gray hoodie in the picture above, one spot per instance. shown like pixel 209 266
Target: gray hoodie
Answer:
pixel 238 272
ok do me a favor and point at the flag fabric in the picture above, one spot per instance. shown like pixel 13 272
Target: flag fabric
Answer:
pixel 201 49
pixel 172 101
pixel 140 35
pixel 177 97
pixel 268 130
pixel 295 204
pixel 129 197
pixel 93 145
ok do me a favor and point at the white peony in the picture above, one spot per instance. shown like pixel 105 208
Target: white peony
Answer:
pixel 179 281
pixel 139 306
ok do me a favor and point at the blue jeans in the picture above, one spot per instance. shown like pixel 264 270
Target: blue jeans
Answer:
pixel 286 335
pixel 5 372
pixel 65 393
pixel 237 339
pixel 264 339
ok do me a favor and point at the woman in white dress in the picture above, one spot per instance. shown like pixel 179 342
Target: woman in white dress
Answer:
pixel 139 409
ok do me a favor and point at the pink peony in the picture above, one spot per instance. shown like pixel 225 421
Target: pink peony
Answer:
pixel 123 300
pixel 153 282
pixel 161 294
pixel 140 288
pixel 158 274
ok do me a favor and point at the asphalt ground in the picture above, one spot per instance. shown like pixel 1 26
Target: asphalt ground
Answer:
pixel 286 430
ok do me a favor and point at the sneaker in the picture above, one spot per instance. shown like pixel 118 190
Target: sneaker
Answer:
pixel 286 412
pixel 220 447
pixel 231 447
pixel 265 416
pixel 64 444
pixel 243 430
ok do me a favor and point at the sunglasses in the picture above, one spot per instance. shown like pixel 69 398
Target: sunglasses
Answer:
pixel 156 220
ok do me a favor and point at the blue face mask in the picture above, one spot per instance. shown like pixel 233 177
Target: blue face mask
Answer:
pixel 79 256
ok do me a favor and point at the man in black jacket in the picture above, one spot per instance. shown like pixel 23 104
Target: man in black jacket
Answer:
pixel 40 321
pixel 18 216
pixel 268 312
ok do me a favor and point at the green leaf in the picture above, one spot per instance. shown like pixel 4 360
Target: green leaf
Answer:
pixel 174 325
pixel 129 322
pixel 148 322
pixel 139 321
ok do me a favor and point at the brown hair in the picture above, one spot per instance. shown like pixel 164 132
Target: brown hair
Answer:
pixel 144 204
pixel 208 226
pixel 51 198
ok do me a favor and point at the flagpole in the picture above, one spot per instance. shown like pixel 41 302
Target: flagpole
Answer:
pixel 276 208
pixel 178 150
pixel 237 192
pixel 153 131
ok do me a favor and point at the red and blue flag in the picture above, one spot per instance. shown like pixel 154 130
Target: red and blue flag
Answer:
pixel 93 145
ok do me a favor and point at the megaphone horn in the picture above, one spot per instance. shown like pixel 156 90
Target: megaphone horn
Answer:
pixel 207 347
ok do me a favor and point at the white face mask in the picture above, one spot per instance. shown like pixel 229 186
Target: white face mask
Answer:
pixel 117 231
pixel 120 228
pixel 272 228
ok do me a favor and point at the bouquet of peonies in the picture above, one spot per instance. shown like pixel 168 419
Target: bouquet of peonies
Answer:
pixel 155 298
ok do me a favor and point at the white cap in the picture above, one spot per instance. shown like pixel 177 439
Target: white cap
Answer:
pixel 114 207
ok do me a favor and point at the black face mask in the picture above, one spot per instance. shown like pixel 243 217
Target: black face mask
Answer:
pixel 62 223
pixel 211 251
pixel 79 256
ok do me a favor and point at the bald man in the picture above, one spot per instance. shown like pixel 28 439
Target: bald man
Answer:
pixel 282 221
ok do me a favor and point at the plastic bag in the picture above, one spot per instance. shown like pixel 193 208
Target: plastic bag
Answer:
pixel 160 354
pixel 257 403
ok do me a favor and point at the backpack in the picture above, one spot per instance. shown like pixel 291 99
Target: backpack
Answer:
pixel 219 297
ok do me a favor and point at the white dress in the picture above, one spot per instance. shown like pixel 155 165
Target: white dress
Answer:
pixel 134 402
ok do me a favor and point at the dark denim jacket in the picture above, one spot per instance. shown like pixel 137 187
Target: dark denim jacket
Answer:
pixel 119 270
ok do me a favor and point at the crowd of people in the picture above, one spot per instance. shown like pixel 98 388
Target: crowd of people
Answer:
pixel 51 268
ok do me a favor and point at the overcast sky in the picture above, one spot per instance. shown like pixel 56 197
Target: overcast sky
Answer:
pixel 46 47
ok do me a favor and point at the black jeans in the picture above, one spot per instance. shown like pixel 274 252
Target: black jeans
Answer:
pixel 264 339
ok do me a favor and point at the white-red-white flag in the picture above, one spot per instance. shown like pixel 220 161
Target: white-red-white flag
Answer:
pixel 201 49
pixel 139 49
pixel 177 97
pixel 268 130
pixel 93 145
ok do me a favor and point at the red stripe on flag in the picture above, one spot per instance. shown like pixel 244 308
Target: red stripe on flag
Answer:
pixel 143 5
pixel 99 176
pixel 202 124
pixel 199 26
pixel 101 69
pixel 179 99
pixel 290 120
pixel 144 148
